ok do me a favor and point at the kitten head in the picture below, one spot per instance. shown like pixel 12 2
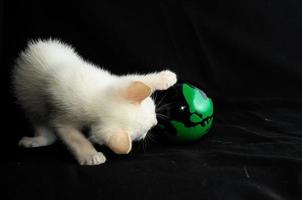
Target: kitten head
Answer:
pixel 128 116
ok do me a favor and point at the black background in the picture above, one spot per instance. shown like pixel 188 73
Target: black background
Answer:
pixel 246 55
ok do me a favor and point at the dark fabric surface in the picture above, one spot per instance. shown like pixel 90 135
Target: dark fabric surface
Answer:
pixel 245 54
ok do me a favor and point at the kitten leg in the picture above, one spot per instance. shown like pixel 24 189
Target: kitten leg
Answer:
pixel 163 80
pixel 43 137
pixel 80 146
pixel 157 81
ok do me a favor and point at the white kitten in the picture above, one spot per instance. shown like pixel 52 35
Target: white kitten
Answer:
pixel 61 93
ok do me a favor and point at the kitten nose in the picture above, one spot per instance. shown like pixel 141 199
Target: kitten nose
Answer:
pixel 155 122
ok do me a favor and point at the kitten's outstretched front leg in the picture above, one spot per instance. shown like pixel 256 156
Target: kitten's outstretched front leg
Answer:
pixel 80 146
pixel 44 136
pixel 163 80
pixel 157 81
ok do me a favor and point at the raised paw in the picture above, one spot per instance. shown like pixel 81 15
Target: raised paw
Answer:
pixel 92 159
pixel 166 79
pixel 29 142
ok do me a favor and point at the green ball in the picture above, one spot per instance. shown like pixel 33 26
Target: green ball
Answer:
pixel 185 113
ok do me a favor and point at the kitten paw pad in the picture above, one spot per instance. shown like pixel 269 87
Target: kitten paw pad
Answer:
pixel 167 79
pixel 92 159
pixel 29 142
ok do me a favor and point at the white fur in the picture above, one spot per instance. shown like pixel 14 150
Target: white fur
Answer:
pixel 61 93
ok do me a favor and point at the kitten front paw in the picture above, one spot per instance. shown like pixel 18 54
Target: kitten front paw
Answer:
pixel 29 142
pixel 167 78
pixel 96 158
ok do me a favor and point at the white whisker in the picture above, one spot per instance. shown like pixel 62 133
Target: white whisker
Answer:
pixel 163 106
pixel 162 115
pixel 158 104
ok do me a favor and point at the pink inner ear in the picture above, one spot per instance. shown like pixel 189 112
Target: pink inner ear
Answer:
pixel 136 92
pixel 120 143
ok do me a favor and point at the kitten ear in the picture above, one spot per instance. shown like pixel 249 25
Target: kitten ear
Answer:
pixel 120 143
pixel 136 92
